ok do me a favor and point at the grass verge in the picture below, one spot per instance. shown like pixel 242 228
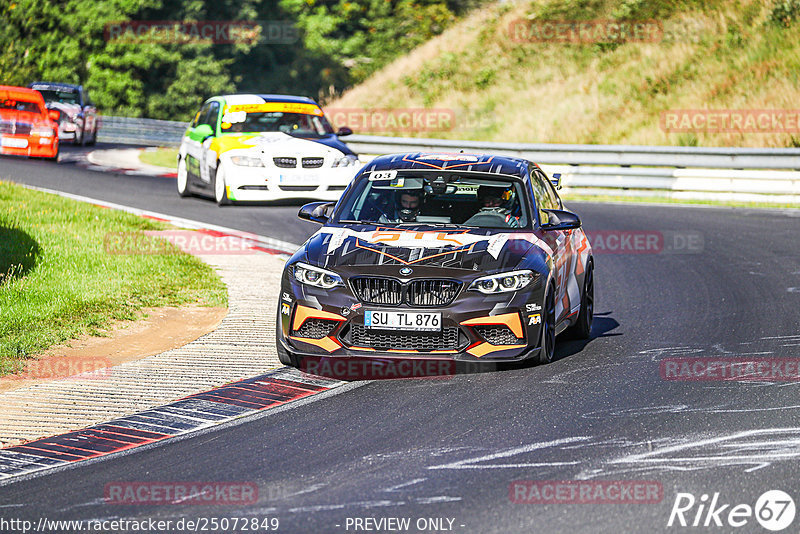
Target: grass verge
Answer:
pixel 161 157
pixel 57 282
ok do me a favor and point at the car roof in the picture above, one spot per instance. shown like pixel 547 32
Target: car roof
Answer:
pixel 10 91
pixel 252 98
pixel 431 161
pixel 55 85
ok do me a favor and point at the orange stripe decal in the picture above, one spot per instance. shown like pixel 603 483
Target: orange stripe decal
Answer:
pixel 511 320
pixel 301 313
pixel 326 343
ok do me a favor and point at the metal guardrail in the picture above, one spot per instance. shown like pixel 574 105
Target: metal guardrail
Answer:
pixel 135 131
pixel 688 172
pixel 620 155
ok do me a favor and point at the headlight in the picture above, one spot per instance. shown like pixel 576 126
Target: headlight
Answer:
pixel 43 131
pixel 314 276
pixel 503 282
pixel 347 161
pixel 247 161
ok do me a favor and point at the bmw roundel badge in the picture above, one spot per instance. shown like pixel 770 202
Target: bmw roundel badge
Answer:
pixel 405 271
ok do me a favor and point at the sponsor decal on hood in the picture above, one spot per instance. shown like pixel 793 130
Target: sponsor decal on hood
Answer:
pixel 271 142
pixel 460 248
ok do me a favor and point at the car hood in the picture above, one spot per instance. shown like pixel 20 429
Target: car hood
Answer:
pixel 463 249
pixel 69 109
pixel 278 144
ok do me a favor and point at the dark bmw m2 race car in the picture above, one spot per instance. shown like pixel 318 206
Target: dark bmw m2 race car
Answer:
pixel 438 256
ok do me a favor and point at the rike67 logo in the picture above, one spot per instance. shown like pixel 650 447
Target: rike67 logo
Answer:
pixel 774 510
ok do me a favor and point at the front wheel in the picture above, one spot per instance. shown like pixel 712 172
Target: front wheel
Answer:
pixel 220 191
pixel 582 329
pixel 548 342
pixel 183 178
pixel 93 140
pixel 80 140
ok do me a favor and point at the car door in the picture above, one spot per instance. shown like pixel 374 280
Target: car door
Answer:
pixel 560 243
pixel 197 142
pixel 89 114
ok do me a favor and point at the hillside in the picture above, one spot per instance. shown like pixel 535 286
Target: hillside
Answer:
pixel 500 86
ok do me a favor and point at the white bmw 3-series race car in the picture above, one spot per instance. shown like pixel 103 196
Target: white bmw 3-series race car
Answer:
pixel 263 147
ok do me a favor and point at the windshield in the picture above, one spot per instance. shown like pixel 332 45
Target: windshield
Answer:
pixel 63 97
pixel 398 198
pixel 19 105
pixel 302 120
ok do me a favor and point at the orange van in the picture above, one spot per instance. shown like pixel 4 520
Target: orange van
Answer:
pixel 27 128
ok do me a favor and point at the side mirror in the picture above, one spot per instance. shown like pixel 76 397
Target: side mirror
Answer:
pixel 344 130
pixel 556 180
pixel 316 212
pixel 561 220
pixel 203 132
pixel 54 114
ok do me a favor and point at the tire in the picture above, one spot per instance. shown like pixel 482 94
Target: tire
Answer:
pixel 54 159
pixel 183 179
pixel 82 141
pixel 548 341
pixel 220 193
pixel 582 329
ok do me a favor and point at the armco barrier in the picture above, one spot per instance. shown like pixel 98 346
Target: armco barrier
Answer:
pixel 133 131
pixel 685 172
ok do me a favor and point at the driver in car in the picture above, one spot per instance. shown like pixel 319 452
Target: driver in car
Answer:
pixel 492 203
pixel 407 206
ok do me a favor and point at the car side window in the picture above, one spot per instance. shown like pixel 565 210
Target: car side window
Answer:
pixel 201 115
pixel 213 114
pixel 551 196
pixel 539 195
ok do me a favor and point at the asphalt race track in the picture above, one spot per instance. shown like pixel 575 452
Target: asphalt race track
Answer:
pixel 723 283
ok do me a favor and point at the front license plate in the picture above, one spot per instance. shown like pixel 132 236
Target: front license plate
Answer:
pixel 13 142
pixel 299 179
pixel 390 320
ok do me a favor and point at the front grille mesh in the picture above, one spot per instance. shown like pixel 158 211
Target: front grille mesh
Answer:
pixel 313 163
pixel 12 127
pixel 447 339
pixel 285 163
pixel 386 291
pixel 432 292
pixel 298 187
pixel 418 293
pixel 497 334
pixel 316 328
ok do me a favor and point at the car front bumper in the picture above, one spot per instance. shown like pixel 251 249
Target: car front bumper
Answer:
pixel 32 145
pixel 260 183
pixel 474 327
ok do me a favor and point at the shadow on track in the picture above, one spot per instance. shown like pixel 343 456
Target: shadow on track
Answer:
pixel 358 368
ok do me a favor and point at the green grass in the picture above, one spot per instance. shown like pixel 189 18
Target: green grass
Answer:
pixel 58 282
pixel 161 157
pixel 712 55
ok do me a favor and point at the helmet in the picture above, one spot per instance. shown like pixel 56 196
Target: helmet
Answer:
pixel 491 191
pixel 408 202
